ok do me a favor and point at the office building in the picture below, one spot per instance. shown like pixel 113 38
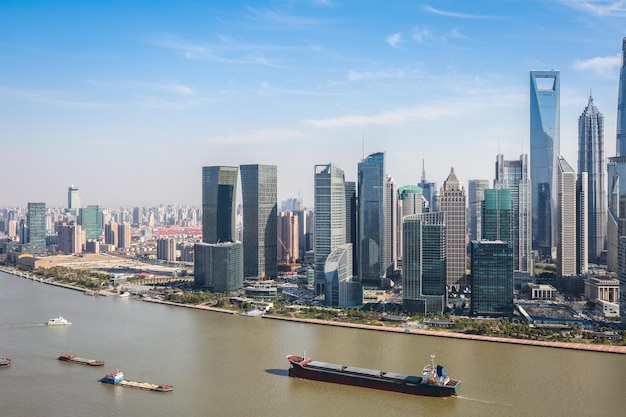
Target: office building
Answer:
pixel 390 257
pixel 410 201
pixel 566 220
pixel 452 203
pixel 166 249
pixel 424 263
pixel 73 200
pixel 513 174
pixel 288 237
pixel 71 238
pixel 351 220
pixel 340 288
pixel 372 233
pixel 111 233
pixel 36 228
pixel 591 161
pixel 475 197
pixel 429 191
pixel 492 278
pixel 330 218
pixel 621 106
pixel 90 219
pixel 582 226
pixel 219 194
pixel 260 213
pixel 544 149
pixel 497 215
pixel 621 276
pixel 123 235
pixel 218 267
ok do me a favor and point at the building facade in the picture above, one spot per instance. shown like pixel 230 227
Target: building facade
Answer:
pixel 288 237
pixel 492 278
pixel 260 211
pixel 90 220
pixel 475 197
pixel 219 194
pixel 591 161
pixel 166 249
pixel 452 203
pixel 544 149
pixel 36 224
pixel 340 288
pixel 566 238
pixel 497 215
pixel 218 267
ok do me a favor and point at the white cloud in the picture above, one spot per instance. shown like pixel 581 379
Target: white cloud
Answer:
pixel 257 136
pixel 458 15
pixel 394 39
pixel 421 34
pixel 599 7
pixel 604 66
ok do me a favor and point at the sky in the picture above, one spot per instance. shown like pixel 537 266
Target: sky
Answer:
pixel 127 100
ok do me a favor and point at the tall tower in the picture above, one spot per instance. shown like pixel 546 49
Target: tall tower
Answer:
pixel 330 217
pixel 219 193
pixel 621 106
pixel 371 219
pixel 497 215
pixel 429 191
pixel 452 203
pixel 390 257
pixel 260 211
pixel 475 196
pixel 492 278
pixel 73 199
pixel 566 237
pixel 514 176
pixel 591 161
pixel 544 149
pixel 36 222
pixel 351 222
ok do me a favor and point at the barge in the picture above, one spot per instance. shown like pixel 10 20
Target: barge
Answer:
pixel 70 357
pixel 117 378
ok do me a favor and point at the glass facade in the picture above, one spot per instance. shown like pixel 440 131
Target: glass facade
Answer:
pixel 330 217
pixel 424 263
pixel 219 193
pixel 621 106
pixel 37 227
pixel 492 278
pixel 475 198
pixel 340 289
pixel 260 211
pixel 371 219
pixel 91 222
pixel 544 150
pixel 218 266
pixel 591 160
pixel 497 215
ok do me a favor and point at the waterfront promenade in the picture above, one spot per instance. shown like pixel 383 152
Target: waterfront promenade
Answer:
pixel 404 329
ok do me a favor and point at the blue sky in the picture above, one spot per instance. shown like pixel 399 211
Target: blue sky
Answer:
pixel 127 100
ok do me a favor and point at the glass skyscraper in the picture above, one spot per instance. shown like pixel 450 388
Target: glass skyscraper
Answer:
pixel 497 215
pixel 591 160
pixel 492 278
pixel 219 193
pixel 91 222
pixel 475 196
pixel 372 219
pixel 330 217
pixel 36 222
pixel 260 216
pixel 621 106
pixel 544 150
pixel 340 289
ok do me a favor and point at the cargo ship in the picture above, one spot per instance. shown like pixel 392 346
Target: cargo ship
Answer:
pixel 434 382
pixel 117 378
pixel 70 357
pixel 4 361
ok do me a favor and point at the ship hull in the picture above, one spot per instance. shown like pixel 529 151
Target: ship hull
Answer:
pixel 369 379
pixel 68 357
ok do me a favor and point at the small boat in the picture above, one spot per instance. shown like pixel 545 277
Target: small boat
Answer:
pixel 4 361
pixel 70 357
pixel 117 378
pixel 58 321
pixel 124 294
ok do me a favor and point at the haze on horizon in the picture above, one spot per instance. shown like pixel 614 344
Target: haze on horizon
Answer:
pixel 127 101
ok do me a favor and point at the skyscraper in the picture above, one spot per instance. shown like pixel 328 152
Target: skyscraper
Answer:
pixel 351 220
pixel 219 193
pixel 330 217
pixel 410 201
pixel 340 289
pixel 475 196
pixel 390 257
pixel 582 226
pixel 621 106
pixel 73 199
pixel 424 263
pixel 566 237
pixel 452 203
pixel 288 237
pixel 544 149
pixel 492 278
pixel 429 191
pixel 36 222
pixel 591 160
pixel 497 215
pixel 514 176
pixel 371 219
pixel 90 220
pixel 260 214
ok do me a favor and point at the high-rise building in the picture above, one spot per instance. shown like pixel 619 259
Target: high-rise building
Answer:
pixel 166 249
pixel 288 237
pixel 475 197
pixel 36 223
pixel 582 226
pixel 123 235
pixel 371 218
pixel 90 220
pixel 260 214
pixel 330 218
pixel 410 201
pixel 544 150
pixel 497 215
pixel 351 220
pixel 219 194
pixel 390 257
pixel 492 278
pixel 73 199
pixel 566 237
pixel 340 288
pixel 621 275
pixel 429 192
pixel 452 203
pixel 513 175
pixel 111 233
pixel 591 160
pixel 621 106
pixel 71 238
pixel 218 266
pixel 424 263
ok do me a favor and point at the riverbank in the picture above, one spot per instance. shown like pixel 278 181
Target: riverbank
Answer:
pixel 406 330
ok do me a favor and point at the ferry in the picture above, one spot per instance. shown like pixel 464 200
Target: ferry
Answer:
pixel 58 321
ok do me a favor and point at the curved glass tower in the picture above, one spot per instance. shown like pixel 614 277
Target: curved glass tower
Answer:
pixel 621 106
pixel 544 149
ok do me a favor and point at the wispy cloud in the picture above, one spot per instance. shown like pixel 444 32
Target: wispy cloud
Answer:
pixel 604 66
pixel 440 12
pixel 354 75
pixel 614 8
pixel 174 87
pixel 420 34
pixel 49 97
pixel 394 39
pixel 283 19
pixel 260 136
pixel 267 88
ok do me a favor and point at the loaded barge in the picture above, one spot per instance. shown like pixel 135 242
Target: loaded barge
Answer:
pixel 70 357
pixel 434 382
pixel 117 378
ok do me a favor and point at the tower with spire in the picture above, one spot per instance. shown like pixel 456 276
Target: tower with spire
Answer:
pixel 452 204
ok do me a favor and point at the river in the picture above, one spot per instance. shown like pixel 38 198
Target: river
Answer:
pixel 230 365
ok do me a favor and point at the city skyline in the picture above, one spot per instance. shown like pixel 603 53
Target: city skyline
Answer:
pixel 190 85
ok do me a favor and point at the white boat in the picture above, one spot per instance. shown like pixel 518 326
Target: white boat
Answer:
pixel 58 321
